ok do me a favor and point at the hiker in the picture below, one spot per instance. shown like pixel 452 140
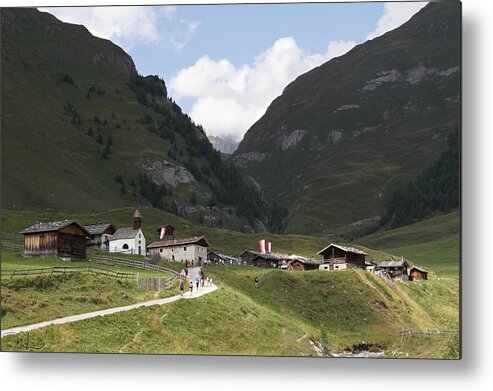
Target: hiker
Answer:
pixel 256 282
pixel 197 280
pixel 202 279
pixel 186 272
pixel 191 288
pixel 207 282
pixel 210 281
pixel 182 286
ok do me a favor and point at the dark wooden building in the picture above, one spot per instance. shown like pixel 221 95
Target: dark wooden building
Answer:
pixel 395 268
pixel 64 239
pixel 99 235
pixel 303 263
pixel 336 253
pixel 416 274
pixel 215 258
pixel 256 258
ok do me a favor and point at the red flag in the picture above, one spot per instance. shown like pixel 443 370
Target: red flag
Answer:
pixel 262 246
pixel 163 232
pixel 269 247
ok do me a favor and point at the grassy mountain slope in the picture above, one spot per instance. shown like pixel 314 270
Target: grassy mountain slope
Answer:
pixel 79 128
pixel 342 136
pixel 433 243
pixel 336 311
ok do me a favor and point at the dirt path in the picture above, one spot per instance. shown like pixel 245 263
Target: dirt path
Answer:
pixel 74 318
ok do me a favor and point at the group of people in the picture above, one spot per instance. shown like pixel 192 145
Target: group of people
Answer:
pixel 200 280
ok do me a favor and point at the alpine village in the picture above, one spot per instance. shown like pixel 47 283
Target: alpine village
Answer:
pixel 331 230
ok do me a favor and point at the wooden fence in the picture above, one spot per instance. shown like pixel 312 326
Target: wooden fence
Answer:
pixel 112 261
pixel 109 260
pixel 426 333
pixel 68 269
pixel 12 246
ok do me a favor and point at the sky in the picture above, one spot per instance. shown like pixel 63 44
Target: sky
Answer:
pixel 224 64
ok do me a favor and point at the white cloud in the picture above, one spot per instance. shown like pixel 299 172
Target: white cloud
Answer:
pixel 230 99
pixel 130 26
pixel 395 14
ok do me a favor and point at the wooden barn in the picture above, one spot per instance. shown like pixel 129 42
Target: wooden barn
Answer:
pixel 215 258
pixel 256 258
pixel 248 256
pixel 335 253
pixel 396 268
pixel 416 274
pixel 64 239
pixel 99 235
pixel 297 262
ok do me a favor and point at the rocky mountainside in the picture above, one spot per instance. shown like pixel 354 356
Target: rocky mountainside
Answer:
pixel 340 138
pixel 226 145
pixel 82 131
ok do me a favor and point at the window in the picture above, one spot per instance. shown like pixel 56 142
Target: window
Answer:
pixel 139 237
pixel 160 250
pixel 125 246
pixel 139 241
pixel 184 249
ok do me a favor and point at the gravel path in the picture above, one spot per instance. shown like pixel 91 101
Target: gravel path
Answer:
pixel 74 318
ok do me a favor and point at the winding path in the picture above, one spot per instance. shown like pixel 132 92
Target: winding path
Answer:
pixel 74 318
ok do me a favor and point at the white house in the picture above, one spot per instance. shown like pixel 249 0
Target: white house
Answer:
pixel 181 250
pixel 129 240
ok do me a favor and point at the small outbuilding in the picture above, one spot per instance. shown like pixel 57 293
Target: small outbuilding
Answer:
pixel 334 252
pixel 417 273
pixel 215 258
pixel 99 235
pixel 298 262
pixel 394 268
pixel 64 239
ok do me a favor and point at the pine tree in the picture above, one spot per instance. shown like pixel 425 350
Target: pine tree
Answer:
pixel 193 199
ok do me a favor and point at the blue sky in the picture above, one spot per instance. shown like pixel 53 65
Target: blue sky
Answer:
pixel 240 32
pixel 224 64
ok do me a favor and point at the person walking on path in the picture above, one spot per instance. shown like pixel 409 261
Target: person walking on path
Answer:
pixel 191 288
pixel 182 286
pixel 197 280
pixel 257 284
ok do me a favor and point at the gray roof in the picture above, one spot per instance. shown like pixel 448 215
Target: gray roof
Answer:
pixel 137 214
pixel 124 233
pixel 393 263
pixel 49 226
pixel 275 256
pixel 419 268
pixel 226 257
pixel 97 229
pixel 305 260
pixel 344 248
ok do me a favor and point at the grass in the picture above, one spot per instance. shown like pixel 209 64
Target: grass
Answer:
pixel 12 260
pixel 433 243
pixel 441 256
pixel 438 347
pixel 36 299
pixel 335 310
pixel 220 323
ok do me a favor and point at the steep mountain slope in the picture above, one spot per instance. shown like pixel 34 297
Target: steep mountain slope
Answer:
pixel 82 131
pixel 341 137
